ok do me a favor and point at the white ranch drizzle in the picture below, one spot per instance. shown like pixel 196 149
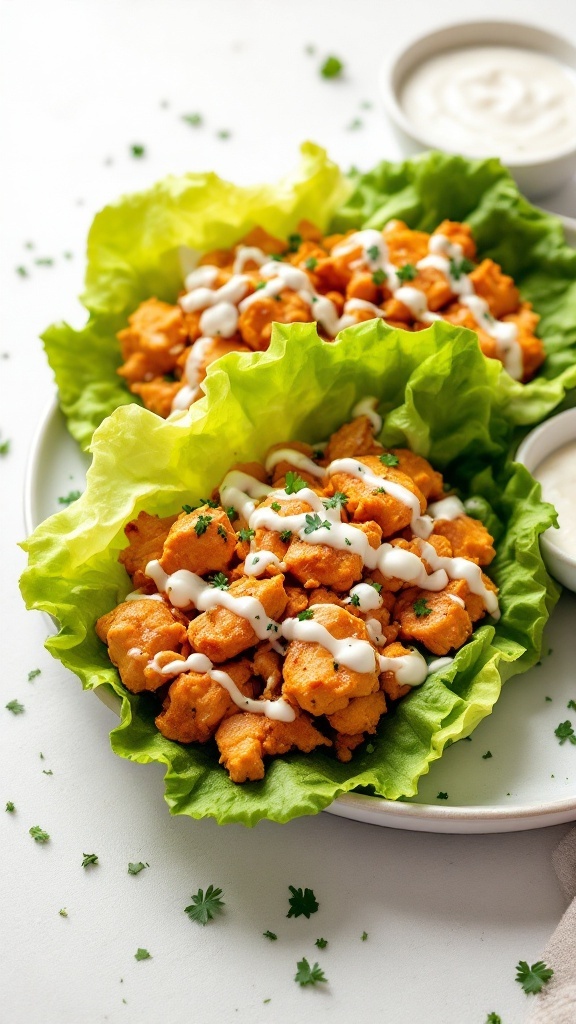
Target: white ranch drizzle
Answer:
pixel 277 710
pixel 447 508
pixel 195 363
pixel 367 407
pixel 409 669
pixel 421 524
pixel 374 628
pixel 238 489
pixel 136 596
pixel 295 458
pixel 368 597
pixel 248 254
pixel 462 569
pixel 201 277
pixel 438 663
pixel 357 655
pixel 258 561
pixel 456 600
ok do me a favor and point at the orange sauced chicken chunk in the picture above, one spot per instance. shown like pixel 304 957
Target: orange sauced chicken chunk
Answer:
pixel 333 280
pixel 295 620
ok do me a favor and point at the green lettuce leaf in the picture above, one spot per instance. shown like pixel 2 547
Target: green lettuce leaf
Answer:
pixel 528 243
pixel 135 249
pixel 437 394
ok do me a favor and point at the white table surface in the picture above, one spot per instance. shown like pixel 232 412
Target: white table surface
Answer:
pixel 447 917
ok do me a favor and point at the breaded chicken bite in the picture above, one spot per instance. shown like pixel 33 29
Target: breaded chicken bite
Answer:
pixel 196 704
pixel 468 538
pixel 203 541
pixel 427 480
pixel 135 631
pixel 352 440
pixel 366 502
pixel 312 677
pixel 146 536
pixel 388 679
pixel 221 634
pixel 157 394
pixel 435 619
pixel 496 287
pixel 153 341
pixel 285 465
pixel 458 234
pixel 533 353
pixel 317 565
pixel 361 715
pixel 244 740
pixel 255 321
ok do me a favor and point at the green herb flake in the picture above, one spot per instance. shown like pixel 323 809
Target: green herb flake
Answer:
pixel 270 935
pixel 67 499
pixel 34 674
pixel 321 943
pixel 355 124
pixel 550 699
pixel 275 506
pixel 38 834
pixel 311 263
pixel 89 858
pixel 302 902
pixel 142 954
pixel 246 534
pixel 259 285
pixel 10 807
pixel 421 608
pixel 459 267
pixel 202 524
pixel 331 68
pixel 294 242
pixel 308 613
pixel 407 272
pixel 348 542
pixel 222 532
pixel 338 500
pixel 442 796
pixel 195 120
pixel 355 600
pixel 366 105
pixel 364 936
pixel 188 509
pixel 294 483
pixel 5 447
pixel 532 979
pixel 220 581
pixel 563 732
pixel 44 261
pixel 22 272
pixel 137 150
pixel 205 906
pixel 389 460
pixel 487 755
pixel 313 523
pixel 224 133
pixel 231 512
pixel 377 586
pixel 310 49
pixel 135 869
pixel 306 975
pixel 286 536
pixel 571 704
pixel 63 912
pixel 15 707
pixel 373 253
pixel 47 771
pixel 379 276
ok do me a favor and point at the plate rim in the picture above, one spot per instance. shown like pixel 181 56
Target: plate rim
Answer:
pixel 376 810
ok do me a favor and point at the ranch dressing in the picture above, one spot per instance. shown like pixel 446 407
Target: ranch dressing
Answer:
pixel 557 474
pixel 485 100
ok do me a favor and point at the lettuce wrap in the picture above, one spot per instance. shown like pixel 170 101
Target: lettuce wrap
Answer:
pixel 437 395
pixel 134 249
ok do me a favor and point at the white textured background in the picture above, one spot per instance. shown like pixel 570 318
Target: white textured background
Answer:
pixel 447 917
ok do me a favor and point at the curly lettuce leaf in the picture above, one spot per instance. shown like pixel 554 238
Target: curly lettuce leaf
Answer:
pixel 134 252
pixel 438 395
pixel 528 243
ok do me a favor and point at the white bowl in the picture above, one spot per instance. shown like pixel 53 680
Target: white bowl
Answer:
pixel 535 176
pixel 535 447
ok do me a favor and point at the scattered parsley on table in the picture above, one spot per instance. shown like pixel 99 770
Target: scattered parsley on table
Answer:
pixel 224 133
pixel 44 261
pixel 364 936
pixel 487 755
pixel 407 272
pixel 219 580
pixel 270 935
pixel 202 524
pixel 38 834
pixel 306 975
pixel 21 271
pixel 193 119
pixel 442 796
pixel 137 150
pixel 294 483
pixel 135 869
pixel 571 704
pixel 388 459
pixel 493 1018
pixel 89 858
pixel 33 674
pixel 336 501
pixel 332 67
pixel 308 613
pixel 142 954
pixel 205 906
pixel 356 123
pixel 302 902
pixel 533 978
pixel 5 447
pixel 321 943
pixel 67 499
pixel 563 732
pixel 421 608
pixel 15 707
pixel 10 807
pixel 63 912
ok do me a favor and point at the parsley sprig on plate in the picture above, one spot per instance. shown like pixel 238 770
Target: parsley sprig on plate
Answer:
pixel 205 906
pixel 302 902
pixel 533 978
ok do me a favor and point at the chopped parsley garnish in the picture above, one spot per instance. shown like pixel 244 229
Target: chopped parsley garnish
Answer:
pixel 311 263
pixel 332 68
pixel 89 858
pixel 38 834
pixel 355 600
pixel 313 522
pixel 259 285
pixel 193 119
pixel 335 665
pixel 550 699
pixel 442 796
pixel 255 561
pixel 337 500
pixel 224 133
pixel 407 272
pixel 364 936
pixel 321 943
pixel 246 534
pixel 348 542
pixel 15 707
pixel 421 608
pixel 286 535
pixel 294 483
pixel 34 674
pixel 137 150
pixel 487 755
pixel 209 502
pixel 373 253
pixel 275 506
pixel 10 807
pixel 302 902
pixel 308 613
pixel 278 257
pixel 366 105
pixel 67 499
pixel 205 905
pixel 68 255
pixel 222 532
pixel 220 581
pixel 63 912
pixel 310 50
pixel 272 627
pixel 493 1018
pixel 188 509
pixel 377 586
pixel 563 732
pixel 388 459
pixel 306 975
pixel 5 447
pixel 571 704
pixel 231 512
pixel 533 978
pixel 44 261
pixel 47 771
pixel 356 123
pixel 294 242
pixel 459 267
pixel 21 271
pixel 379 276
pixel 202 524
pixel 142 954
pixel 270 935
pixel 135 869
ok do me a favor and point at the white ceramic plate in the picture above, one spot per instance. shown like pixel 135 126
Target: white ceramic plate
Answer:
pixel 528 781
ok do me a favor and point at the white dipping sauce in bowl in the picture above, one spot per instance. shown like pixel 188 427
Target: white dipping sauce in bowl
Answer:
pixel 557 475
pixel 487 100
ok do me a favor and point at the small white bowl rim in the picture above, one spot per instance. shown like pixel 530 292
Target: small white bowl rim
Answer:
pixel 523 456
pixel 392 101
